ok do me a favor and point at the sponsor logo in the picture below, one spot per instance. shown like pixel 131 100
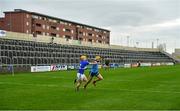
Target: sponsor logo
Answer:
pixel 58 67
pixel 2 33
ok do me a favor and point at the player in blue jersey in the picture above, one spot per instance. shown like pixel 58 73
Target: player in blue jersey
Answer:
pixel 94 72
pixel 81 77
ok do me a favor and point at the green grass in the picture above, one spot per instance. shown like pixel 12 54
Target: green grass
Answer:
pixel 136 88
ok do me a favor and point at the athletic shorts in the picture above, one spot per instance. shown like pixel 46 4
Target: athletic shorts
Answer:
pixel 80 76
pixel 93 74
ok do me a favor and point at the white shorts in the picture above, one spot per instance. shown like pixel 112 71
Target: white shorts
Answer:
pixel 81 77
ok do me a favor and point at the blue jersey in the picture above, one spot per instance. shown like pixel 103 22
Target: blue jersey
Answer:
pixel 82 66
pixel 94 68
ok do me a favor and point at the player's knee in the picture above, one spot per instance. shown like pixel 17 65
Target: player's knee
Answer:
pixel 78 85
pixel 85 80
pixel 101 78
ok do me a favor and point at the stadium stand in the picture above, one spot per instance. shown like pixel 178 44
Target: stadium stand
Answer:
pixel 29 52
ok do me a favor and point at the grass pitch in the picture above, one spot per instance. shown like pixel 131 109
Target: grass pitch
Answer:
pixel 136 88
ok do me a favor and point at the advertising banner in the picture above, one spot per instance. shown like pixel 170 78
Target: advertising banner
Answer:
pixel 2 33
pixel 111 65
pixel 127 65
pixel 145 64
pixel 156 64
pixel 71 67
pixel 170 63
pixel 121 65
pixel 58 67
pixel 114 65
pixel 40 68
pixel 134 65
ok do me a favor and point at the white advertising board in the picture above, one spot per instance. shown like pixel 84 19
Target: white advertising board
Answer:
pixel 58 67
pixel 2 33
pixel 40 68
pixel 127 65
pixel 145 64
pixel 170 63
pixel 71 67
pixel 156 64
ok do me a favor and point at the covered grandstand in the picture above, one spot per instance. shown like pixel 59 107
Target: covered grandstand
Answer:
pixel 24 51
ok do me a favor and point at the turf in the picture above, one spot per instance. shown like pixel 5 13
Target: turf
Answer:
pixel 136 88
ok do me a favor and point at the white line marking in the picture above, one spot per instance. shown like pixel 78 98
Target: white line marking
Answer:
pixel 168 82
pixel 129 90
pixel 148 91
pixel 45 85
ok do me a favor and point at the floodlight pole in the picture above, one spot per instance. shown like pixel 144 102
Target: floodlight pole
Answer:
pixel 128 40
pixel 137 43
pixel 157 42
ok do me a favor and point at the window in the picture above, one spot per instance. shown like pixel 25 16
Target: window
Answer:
pixel 48 27
pixel 67 37
pixel 53 27
pixel 61 22
pixel 50 20
pixel 43 26
pixel 79 26
pixel 55 21
pixel 34 16
pixel 96 30
pixel 89 28
pixel 89 34
pixel 99 36
pixel 53 34
pixel 81 39
pixel 38 25
pixel 84 34
pixel 27 23
pixel 80 32
pixel 67 30
pixel 27 15
pixel 72 31
pixel 43 18
pixel 89 40
pixel 99 41
pixel 38 32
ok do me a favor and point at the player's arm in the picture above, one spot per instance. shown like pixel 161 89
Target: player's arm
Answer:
pixel 94 62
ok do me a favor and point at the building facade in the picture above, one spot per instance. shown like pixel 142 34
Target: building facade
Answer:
pixel 176 54
pixel 39 24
